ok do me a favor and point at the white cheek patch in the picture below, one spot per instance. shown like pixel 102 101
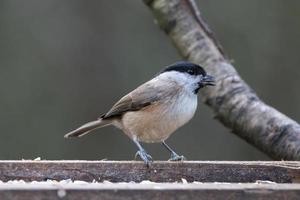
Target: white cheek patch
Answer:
pixel 185 80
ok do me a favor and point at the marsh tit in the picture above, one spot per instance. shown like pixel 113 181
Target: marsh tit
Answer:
pixel 154 110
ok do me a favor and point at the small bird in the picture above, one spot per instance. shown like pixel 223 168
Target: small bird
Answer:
pixel 154 110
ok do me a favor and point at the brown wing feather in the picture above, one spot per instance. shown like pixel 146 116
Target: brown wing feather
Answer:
pixel 141 97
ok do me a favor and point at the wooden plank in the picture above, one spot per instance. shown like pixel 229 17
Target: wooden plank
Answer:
pixel 160 171
pixel 150 191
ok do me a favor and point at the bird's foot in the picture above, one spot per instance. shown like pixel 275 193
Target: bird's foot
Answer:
pixel 144 156
pixel 176 157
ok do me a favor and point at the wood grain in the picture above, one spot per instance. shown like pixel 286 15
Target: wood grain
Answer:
pixel 150 191
pixel 160 171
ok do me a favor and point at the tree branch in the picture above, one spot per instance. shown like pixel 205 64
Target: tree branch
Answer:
pixel 234 103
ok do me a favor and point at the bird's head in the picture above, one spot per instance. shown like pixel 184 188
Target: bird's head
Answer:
pixel 190 75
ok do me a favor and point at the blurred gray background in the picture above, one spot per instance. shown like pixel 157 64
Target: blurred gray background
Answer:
pixel 63 63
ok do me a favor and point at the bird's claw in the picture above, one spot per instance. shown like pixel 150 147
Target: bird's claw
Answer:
pixel 176 157
pixel 144 156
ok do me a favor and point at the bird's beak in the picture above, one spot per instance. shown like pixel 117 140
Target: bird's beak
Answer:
pixel 208 80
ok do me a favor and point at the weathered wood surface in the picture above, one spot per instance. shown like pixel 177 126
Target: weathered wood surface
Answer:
pixel 160 171
pixel 150 191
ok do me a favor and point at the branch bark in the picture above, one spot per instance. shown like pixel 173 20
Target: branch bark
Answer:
pixel 234 103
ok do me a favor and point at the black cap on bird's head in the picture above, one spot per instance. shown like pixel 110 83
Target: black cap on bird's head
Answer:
pixel 186 67
pixel 191 69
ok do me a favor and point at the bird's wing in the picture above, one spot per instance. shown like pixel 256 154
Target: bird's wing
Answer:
pixel 145 95
pixel 127 103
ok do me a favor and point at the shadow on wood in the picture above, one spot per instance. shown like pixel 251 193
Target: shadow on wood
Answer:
pixel 151 191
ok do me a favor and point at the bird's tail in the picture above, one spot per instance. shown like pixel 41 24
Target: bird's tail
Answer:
pixel 88 127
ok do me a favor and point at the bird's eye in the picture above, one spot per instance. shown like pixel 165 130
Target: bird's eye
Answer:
pixel 191 72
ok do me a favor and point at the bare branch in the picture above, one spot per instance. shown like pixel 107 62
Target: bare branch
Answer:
pixel 233 101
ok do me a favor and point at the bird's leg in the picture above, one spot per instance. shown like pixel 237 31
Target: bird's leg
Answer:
pixel 142 153
pixel 174 155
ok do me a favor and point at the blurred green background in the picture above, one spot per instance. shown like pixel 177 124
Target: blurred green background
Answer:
pixel 63 63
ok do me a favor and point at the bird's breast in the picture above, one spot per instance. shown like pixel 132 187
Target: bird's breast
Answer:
pixel 157 122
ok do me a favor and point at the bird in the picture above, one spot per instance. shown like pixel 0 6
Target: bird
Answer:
pixel 154 110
